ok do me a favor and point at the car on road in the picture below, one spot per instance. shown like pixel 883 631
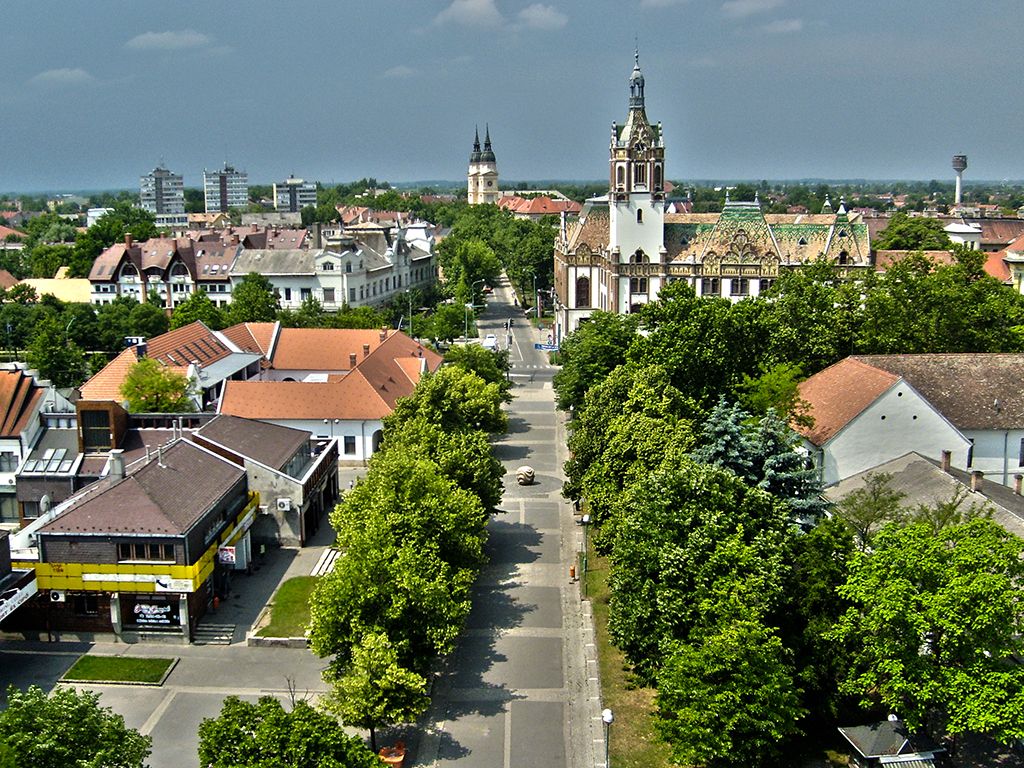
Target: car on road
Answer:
pixel 490 341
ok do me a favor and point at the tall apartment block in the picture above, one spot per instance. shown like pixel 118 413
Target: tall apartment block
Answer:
pixel 293 194
pixel 225 189
pixel 162 193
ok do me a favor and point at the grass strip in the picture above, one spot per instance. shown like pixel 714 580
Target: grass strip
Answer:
pixel 118 669
pixel 632 742
pixel 289 610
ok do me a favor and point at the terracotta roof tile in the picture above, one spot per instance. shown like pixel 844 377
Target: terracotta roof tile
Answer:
pixel 19 397
pixel 106 383
pixel 839 394
pixel 996 267
pixel 192 342
pixel 321 349
pixel 252 337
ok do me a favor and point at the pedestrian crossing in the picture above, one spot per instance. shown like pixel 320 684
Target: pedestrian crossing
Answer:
pixel 532 367
pixel 326 562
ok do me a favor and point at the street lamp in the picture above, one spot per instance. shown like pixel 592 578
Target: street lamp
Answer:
pixel 536 302
pixel 471 304
pixel 607 717
pixel 408 294
pixel 585 520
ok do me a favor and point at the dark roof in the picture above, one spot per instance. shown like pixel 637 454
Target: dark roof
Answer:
pixel 887 738
pixel 269 444
pixel 19 397
pixel 972 390
pixel 167 496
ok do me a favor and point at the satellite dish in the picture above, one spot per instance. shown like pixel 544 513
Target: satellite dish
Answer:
pixel 45 503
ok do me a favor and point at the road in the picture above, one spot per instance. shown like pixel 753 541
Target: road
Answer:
pixel 516 693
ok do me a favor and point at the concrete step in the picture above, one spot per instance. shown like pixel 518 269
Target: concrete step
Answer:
pixel 213 634
pixel 326 562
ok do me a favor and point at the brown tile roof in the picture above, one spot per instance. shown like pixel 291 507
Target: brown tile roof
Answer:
pixel 269 444
pixel 252 337
pixel 106 383
pixel 7 280
pixel 591 229
pixel 6 232
pixel 164 497
pixel 999 231
pixel 996 267
pixel 192 342
pixel 839 394
pixel 321 349
pixel 972 390
pixel 19 398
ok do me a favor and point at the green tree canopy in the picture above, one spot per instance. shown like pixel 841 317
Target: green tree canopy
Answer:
pixel 937 625
pixel 374 689
pixel 198 307
pixel 492 367
pixel 253 300
pixel 68 729
pixel 455 399
pixel 918 233
pixel 150 387
pixel 266 735
pixel 55 357
pixel 590 353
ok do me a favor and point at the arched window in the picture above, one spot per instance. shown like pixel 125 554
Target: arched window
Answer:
pixel 582 291
pixel 844 258
pixel 640 173
pixel 639 257
pixel 620 177
pixel 639 216
pixel 657 177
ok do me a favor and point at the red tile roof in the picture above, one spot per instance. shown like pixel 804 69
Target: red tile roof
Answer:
pixel 19 397
pixel 840 393
pixel 996 267
pixel 7 280
pixel 321 349
pixel 192 342
pixel 252 337
pixel 6 232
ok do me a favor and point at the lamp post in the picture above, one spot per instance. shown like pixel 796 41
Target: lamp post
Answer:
pixel 607 717
pixel 408 294
pixel 536 297
pixel 471 304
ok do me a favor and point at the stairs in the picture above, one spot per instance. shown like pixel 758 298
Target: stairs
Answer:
pixel 208 633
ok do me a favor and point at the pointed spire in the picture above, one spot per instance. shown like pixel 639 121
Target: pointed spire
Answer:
pixel 757 198
pixel 727 194
pixel 827 207
pixel 475 155
pixel 842 205
pixel 636 83
pixel 487 155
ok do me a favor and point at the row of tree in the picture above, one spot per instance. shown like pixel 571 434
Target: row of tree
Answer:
pixel 412 532
pixel 755 617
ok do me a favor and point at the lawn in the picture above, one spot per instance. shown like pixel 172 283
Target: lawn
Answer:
pixel 118 669
pixel 633 742
pixel 289 610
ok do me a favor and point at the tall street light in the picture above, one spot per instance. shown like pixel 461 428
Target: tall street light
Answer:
pixel 408 293
pixel 607 717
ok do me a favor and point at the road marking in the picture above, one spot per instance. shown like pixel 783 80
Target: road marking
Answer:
pixel 508 735
pixel 161 708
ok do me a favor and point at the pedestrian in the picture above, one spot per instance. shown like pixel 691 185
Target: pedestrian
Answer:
pixel 351 485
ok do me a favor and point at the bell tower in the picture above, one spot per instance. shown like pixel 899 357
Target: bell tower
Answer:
pixel 636 197
pixel 482 177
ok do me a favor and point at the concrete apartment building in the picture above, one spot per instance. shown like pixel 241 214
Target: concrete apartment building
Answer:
pixel 292 194
pixel 225 189
pixel 162 193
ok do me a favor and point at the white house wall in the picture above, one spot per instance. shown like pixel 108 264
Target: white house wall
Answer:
pixel 997 453
pixel 898 422
pixel 362 431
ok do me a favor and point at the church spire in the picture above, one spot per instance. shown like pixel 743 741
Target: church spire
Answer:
pixel 475 156
pixel 488 154
pixel 636 83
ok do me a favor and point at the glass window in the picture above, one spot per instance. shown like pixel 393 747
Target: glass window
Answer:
pixel 739 286
pixel 710 286
pixel 306 293
pixel 350 445
pixel 8 461
pixel 328 295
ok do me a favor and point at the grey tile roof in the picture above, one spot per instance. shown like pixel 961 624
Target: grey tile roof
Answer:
pixel 268 444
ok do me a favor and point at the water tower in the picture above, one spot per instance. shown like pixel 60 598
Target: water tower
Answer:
pixel 959 165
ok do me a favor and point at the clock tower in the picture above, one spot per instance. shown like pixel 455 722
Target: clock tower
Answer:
pixel 636 200
pixel 482 177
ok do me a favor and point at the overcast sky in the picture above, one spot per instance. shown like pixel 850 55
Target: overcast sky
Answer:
pixel 97 93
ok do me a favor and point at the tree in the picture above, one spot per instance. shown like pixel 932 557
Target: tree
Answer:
pixel 492 367
pixel 447 322
pixel 253 300
pixel 265 735
pixel 590 353
pixel 68 728
pixel 150 387
pixel 866 509
pixel 952 511
pixel 455 399
pixel 938 626
pixel 776 389
pixel 54 356
pixel 919 233
pixel 375 690
pixel 728 699
pixel 197 307
pixel 147 320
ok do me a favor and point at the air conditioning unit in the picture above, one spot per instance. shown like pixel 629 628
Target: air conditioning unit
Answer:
pixel 284 505
pixel 57 596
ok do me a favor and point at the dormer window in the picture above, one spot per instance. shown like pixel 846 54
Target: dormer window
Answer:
pixel 327 266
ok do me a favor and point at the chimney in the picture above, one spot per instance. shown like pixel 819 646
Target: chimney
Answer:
pixel 366 350
pixel 383 335
pixel 351 359
pixel 235 240
pixel 1017 481
pixel 317 236
pixel 117 464
pixel 160 455
pixel 947 457
pixel 976 477
pixel 127 239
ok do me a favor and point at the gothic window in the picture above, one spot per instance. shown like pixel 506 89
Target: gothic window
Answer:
pixel 766 284
pixel 640 173
pixel 639 257
pixel 639 216
pixel 710 286
pixel 620 177
pixel 638 285
pixel 657 177
pixel 583 291
pixel 739 286
pixel 844 258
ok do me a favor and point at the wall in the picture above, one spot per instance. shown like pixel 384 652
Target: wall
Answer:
pixel 898 422
pixel 362 431
pixel 996 453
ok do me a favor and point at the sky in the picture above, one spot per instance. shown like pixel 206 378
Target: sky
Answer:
pixel 97 93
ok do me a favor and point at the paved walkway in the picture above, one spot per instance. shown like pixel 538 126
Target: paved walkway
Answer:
pixel 516 692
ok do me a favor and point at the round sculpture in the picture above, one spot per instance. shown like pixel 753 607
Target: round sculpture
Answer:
pixel 524 475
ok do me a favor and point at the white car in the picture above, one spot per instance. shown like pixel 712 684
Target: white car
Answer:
pixel 490 341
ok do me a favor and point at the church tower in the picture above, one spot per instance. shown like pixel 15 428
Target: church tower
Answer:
pixel 482 177
pixel 636 200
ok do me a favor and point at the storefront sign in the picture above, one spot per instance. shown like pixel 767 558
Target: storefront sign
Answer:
pixel 154 614
pixel 167 584
pixel 226 555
